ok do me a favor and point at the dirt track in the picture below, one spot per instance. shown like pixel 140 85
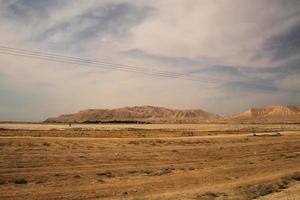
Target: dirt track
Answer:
pixel 229 166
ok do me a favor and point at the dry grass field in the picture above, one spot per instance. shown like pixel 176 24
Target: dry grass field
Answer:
pixel 140 162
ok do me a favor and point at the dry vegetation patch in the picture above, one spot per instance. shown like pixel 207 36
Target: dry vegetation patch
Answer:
pixel 20 181
pixel 212 196
pixel 2 180
pixel 256 191
pixel 107 174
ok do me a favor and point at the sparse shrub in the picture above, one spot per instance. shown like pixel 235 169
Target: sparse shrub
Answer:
pixel 148 172
pixel 77 176
pixel 210 196
pixel 2 180
pixel 160 141
pixel 20 181
pixel 160 172
pixel 283 184
pixel 132 171
pixel 278 134
pixel 106 174
pixel 187 133
pixel 289 156
pixel 164 171
pixel 254 192
pixel 296 176
pixel 261 190
pixel 133 142
pixel 232 178
pixel 46 144
pixel 40 181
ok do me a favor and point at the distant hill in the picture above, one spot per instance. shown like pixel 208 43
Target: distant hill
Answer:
pixel 271 114
pixel 144 114
pixel 152 114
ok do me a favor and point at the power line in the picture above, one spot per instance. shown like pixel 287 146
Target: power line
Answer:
pixel 105 63
pixel 73 62
pixel 108 65
pixel 114 66
pixel 71 59
pixel 101 64
pixel 83 60
pixel 96 66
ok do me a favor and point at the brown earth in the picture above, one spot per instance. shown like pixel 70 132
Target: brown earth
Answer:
pixel 151 114
pixel 150 163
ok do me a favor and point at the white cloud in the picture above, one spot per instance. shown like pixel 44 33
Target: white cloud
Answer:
pixel 232 31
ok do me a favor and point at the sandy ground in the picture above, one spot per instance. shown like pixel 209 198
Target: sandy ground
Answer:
pixel 147 163
pixel 193 127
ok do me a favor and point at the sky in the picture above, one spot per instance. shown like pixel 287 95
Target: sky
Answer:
pixel 242 53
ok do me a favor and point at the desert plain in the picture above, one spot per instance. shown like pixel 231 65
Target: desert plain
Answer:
pixel 149 161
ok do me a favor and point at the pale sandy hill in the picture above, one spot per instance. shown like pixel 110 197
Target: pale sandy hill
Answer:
pixel 278 113
pixel 138 113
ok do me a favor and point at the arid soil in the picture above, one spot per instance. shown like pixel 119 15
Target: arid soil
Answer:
pixel 148 163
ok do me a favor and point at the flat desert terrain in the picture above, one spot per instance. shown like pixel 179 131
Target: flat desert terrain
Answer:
pixel 148 161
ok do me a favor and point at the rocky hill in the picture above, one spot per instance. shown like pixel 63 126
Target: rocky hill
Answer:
pixel 144 114
pixel 152 114
pixel 271 114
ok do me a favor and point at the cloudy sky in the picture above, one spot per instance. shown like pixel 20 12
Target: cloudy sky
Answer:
pixel 242 54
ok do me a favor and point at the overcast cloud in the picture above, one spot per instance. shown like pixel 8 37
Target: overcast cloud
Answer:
pixel 246 54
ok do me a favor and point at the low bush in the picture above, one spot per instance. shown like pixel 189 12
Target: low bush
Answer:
pixel 210 196
pixel 296 176
pixel 106 174
pixel 21 181
pixel 2 180
pixel 46 144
